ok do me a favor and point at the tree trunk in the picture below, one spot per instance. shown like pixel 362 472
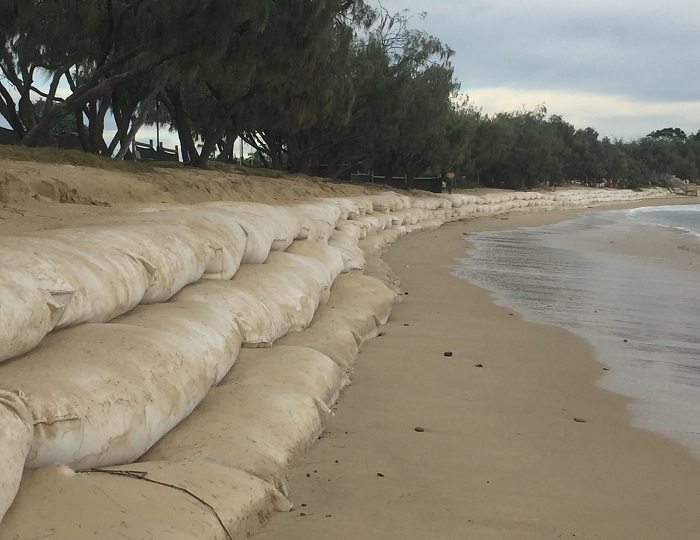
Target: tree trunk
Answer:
pixel 227 149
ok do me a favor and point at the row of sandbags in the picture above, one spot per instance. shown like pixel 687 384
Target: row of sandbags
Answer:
pixel 221 472
pixel 101 394
pixel 98 271
pixel 463 205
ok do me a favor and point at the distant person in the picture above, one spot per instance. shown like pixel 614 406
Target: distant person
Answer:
pixel 450 176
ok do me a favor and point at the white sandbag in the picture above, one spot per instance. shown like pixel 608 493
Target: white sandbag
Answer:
pixel 428 203
pixel 336 338
pixel 277 221
pixel 290 369
pixel 327 255
pixel 357 228
pixel 16 426
pixel 389 201
pixel 378 269
pixel 350 208
pixel 290 286
pixel 325 214
pixel 27 313
pixel 318 220
pixel 269 300
pixel 375 244
pixel 346 243
pixel 145 501
pixel 102 282
pixel 257 323
pixel 102 394
pixel 216 228
pixel 374 222
pixel 265 227
pixel 251 427
pixel 357 308
pixel 363 204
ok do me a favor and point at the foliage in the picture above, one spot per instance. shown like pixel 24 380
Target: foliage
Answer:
pixel 317 86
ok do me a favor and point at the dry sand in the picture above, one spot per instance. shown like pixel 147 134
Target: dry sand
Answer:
pixel 501 456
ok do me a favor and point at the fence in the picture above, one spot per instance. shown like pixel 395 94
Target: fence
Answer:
pixel 425 183
pixel 69 142
pixel 148 152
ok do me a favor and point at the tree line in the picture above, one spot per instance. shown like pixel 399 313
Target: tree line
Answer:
pixel 315 86
pixel 528 148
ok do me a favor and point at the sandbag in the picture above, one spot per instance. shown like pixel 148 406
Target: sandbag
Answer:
pixel 268 300
pixel 251 427
pixel 216 228
pixel 174 253
pixel 319 218
pixel 330 257
pixel 276 224
pixel 346 243
pixel 289 368
pixel 144 501
pixel 16 426
pixel 102 394
pixel 27 313
pixel 290 286
pixel 357 308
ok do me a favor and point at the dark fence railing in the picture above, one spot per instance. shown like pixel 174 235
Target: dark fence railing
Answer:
pixel 69 142
pixel 148 152
pixel 434 184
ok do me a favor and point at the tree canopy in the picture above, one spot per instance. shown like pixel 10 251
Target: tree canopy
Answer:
pixel 316 86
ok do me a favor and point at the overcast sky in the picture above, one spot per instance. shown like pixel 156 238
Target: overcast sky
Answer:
pixel 623 67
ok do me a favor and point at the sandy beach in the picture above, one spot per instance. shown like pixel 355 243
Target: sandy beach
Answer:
pixel 499 454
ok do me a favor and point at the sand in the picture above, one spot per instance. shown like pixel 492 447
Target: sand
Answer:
pixel 501 455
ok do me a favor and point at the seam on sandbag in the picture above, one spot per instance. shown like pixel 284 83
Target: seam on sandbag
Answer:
pixel 49 421
pixel 143 475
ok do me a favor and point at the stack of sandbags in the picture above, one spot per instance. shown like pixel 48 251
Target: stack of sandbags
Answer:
pixel 389 201
pixel 345 242
pixel 102 394
pixel 358 307
pixel 264 415
pixel 89 276
pixel 271 299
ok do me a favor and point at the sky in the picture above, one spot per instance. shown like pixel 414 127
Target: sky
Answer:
pixel 623 67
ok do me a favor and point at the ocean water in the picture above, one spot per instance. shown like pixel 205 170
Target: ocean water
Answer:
pixel 628 282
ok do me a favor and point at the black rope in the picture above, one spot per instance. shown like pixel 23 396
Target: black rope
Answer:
pixel 143 475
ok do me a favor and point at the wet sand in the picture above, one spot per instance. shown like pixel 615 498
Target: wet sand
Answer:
pixel 501 455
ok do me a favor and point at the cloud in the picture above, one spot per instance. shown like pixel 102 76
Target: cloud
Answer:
pixel 645 50
pixel 610 114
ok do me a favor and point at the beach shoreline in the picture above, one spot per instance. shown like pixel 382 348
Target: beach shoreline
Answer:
pixel 501 454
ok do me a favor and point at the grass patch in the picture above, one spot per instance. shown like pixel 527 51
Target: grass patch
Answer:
pixel 71 157
pixel 245 171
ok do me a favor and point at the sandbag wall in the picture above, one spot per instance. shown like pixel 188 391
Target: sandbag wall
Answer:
pixel 151 310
